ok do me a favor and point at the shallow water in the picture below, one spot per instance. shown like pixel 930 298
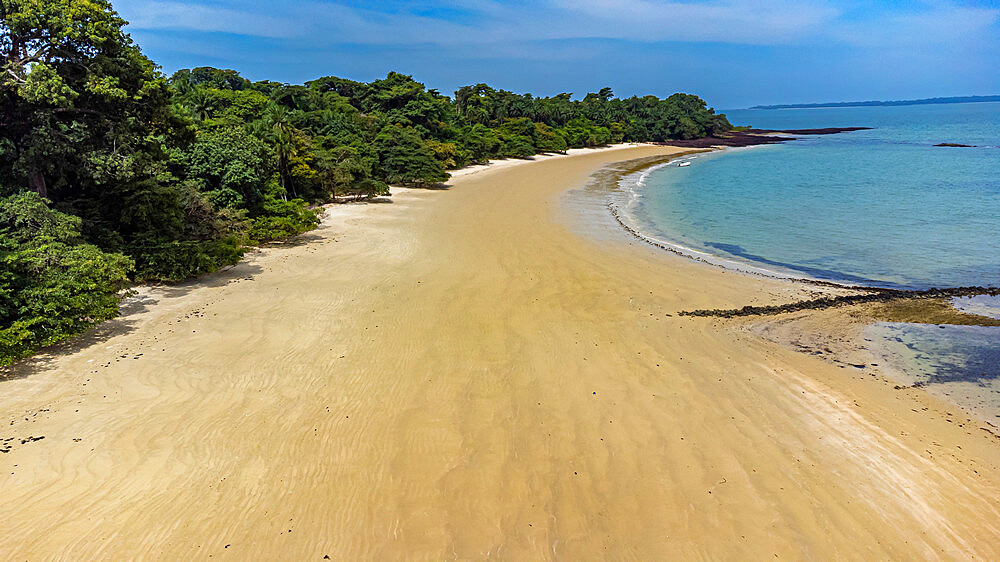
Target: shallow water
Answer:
pixel 882 207
pixel 958 363
pixel 983 305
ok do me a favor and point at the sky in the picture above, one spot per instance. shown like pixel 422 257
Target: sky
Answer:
pixel 732 53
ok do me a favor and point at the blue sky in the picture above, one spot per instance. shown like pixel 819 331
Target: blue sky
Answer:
pixel 733 53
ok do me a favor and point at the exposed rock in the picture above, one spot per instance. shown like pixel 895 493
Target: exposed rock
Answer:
pixel 824 131
pixel 753 137
pixel 869 295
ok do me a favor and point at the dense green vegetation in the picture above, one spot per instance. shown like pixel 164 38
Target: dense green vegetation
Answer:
pixel 112 173
pixel 52 284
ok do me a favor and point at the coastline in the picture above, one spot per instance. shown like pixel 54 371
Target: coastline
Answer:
pixel 623 186
pixel 621 210
pixel 456 374
pixel 844 338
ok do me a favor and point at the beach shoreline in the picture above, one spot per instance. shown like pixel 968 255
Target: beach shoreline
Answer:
pixel 847 342
pixel 623 186
pixel 457 374
pixel 621 209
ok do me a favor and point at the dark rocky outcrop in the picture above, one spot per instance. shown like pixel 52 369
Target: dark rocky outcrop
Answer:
pixel 870 295
pixel 754 137
pixel 823 131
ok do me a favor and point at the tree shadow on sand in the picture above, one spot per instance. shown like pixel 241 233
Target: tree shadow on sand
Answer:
pixel 46 358
pixel 243 271
pixel 130 312
pixel 430 186
pixel 354 201
pixel 293 242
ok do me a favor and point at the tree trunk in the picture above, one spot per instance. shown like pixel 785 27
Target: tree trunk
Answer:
pixel 281 178
pixel 37 184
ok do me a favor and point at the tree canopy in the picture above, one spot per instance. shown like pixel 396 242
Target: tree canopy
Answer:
pixel 111 172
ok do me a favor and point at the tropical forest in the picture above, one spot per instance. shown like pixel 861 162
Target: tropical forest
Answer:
pixel 113 173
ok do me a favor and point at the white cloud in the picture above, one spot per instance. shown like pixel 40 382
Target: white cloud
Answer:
pixel 203 17
pixel 938 24
pixel 315 24
pixel 727 21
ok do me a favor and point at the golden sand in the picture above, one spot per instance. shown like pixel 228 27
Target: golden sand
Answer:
pixel 458 375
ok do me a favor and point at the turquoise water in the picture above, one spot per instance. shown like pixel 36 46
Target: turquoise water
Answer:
pixel 881 207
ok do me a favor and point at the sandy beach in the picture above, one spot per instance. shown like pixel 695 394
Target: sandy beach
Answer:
pixel 461 373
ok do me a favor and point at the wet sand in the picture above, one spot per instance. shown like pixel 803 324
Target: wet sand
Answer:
pixel 459 374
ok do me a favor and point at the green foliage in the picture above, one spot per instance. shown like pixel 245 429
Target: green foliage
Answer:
pixel 582 132
pixel 44 86
pixel 52 284
pixel 177 260
pixel 342 170
pixel 371 188
pixel 282 219
pixel 79 96
pixel 406 102
pixel 238 106
pixel 176 176
pixel 406 158
pixel 229 164
pixel 210 78
pixel 718 125
pixel 549 140
pixel 448 154
pixel 480 142
pixel 517 146
pixel 390 128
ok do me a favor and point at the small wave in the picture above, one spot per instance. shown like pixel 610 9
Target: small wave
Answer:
pixel 630 190
pixel 629 224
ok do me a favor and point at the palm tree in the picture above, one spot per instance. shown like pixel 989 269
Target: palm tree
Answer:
pixel 278 130
pixel 201 104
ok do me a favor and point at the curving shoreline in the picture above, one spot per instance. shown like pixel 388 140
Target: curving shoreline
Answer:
pixel 456 375
pixel 846 339
pixel 879 292
pixel 625 220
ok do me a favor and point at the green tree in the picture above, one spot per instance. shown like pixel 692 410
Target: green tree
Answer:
pixel 406 158
pixel 339 169
pixel 276 128
pixel 229 164
pixel 480 142
pixel 548 140
pixel 81 104
pixel 52 284
pixel 211 78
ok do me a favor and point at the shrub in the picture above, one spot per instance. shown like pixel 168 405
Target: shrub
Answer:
pixel 177 260
pixel 52 285
pixel 281 220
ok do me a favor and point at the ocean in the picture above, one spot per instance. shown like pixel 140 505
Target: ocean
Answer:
pixel 881 207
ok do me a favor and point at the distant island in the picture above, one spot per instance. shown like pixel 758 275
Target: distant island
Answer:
pixel 957 99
